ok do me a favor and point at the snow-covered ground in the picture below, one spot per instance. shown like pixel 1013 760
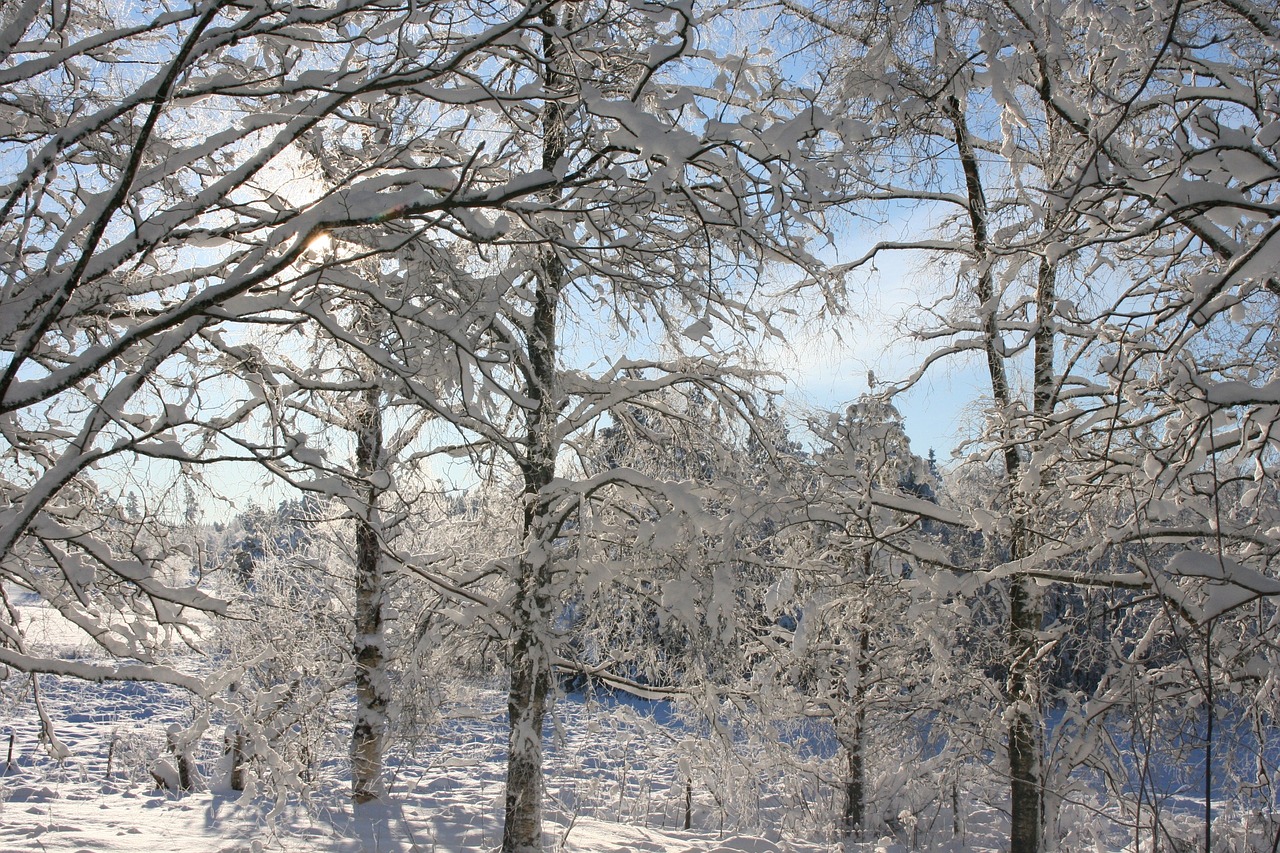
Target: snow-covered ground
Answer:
pixel 614 782
pixel 445 796
pixel 611 780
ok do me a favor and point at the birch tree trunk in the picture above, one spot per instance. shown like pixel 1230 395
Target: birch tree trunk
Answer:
pixel 368 735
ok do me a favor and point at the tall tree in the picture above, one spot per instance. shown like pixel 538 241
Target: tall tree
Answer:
pixel 620 197
pixel 133 244
pixel 1079 232
pixel 531 656
pixel 853 602
pixel 679 143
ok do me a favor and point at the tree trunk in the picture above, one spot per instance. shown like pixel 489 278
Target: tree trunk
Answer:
pixel 531 618
pixel 527 700
pixel 1026 792
pixel 855 818
pixel 368 735
pixel 1025 772
pixel 854 785
pixel 234 746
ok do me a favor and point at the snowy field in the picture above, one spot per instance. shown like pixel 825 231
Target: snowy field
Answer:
pixel 614 782
pixel 444 796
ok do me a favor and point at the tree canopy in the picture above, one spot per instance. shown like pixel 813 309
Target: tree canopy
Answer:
pixel 353 244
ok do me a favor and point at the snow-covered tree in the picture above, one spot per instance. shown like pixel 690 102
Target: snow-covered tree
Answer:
pixel 1100 187
pixel 154 199
pixel 287 654
pixel 184 175
pixel 647 206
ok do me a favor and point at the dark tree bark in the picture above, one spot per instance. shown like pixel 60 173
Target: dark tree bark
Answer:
pixel 854 738
pixel 1026 792
pixel 855 807
pixel 530 665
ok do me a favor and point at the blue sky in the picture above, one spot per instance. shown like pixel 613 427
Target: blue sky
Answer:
pixel 827 362
pixel 937 413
